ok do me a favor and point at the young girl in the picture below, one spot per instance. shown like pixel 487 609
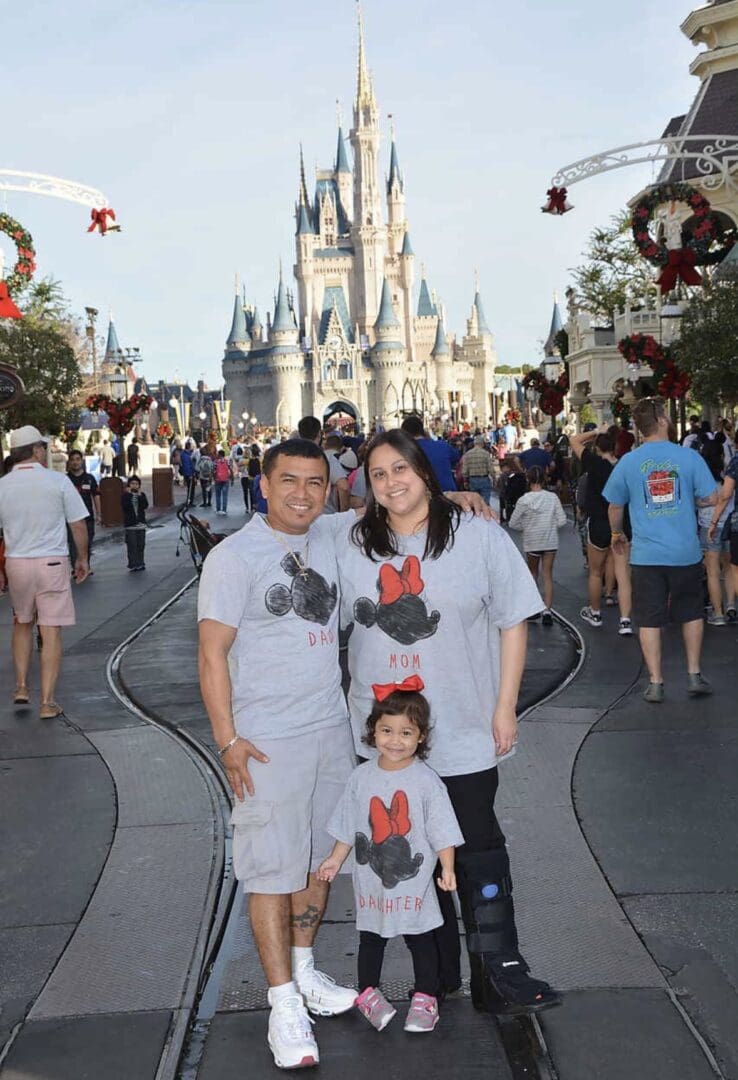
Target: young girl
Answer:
pixel 540 515
pixel 397 815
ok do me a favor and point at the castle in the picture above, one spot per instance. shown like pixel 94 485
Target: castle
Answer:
pixel 354 338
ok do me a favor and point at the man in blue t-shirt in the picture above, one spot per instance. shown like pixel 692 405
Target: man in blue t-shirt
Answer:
pixel 662 485
pixel 439 453
pixel 536 455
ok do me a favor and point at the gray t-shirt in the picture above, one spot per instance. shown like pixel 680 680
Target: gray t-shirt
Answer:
pixel 396 821
pixel 440 619
pixel 283 664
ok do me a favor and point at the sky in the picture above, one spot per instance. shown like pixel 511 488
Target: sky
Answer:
pixel 189 116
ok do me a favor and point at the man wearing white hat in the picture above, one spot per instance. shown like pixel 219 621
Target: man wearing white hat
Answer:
pixel 36 505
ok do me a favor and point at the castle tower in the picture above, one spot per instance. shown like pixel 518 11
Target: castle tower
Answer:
pixel 551 347
pixel 388 357
pixel 477 349
pixel 425 322
pixel 239 339
pixel 396 222
pixel 441 355
pixel 344 179
pixel 407 281
pixel 286 362
pixel 368 234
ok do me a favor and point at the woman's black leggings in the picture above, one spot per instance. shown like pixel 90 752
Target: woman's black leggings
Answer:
pixel 473 799
pixel 424 952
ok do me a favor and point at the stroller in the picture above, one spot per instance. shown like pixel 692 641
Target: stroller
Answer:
pixel 197 536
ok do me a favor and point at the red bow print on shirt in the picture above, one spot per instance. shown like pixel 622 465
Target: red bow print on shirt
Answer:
pixel 395 583
pixel 392 822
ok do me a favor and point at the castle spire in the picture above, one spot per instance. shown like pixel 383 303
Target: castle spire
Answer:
pixel 283 319
pixel 113 351
pixel 386 319
pixel 557 325
pixel 304 199
pixel 342 161
pixel 395 176
pixel 364 88
pixel 239 332
pixel 440 345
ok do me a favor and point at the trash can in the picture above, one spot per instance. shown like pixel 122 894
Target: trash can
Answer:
pixel 161 486
pixel 111 489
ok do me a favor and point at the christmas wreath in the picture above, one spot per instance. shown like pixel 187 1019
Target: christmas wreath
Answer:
pixel 550 391
pixel 671 381
pixel 513 416
pixel 164 430
pixel 697 247
pixel 121 414
pixel 24 267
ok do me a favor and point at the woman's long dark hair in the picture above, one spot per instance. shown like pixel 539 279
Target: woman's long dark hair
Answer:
pixel 372 532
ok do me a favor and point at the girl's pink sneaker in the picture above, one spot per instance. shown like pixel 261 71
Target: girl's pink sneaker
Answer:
pixel 422 1014
pixel 372 1004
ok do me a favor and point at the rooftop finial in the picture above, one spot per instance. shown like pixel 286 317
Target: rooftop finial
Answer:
pixel 304 200
pixel 237 284
pixel 339 116
pixel 391 118
pixel 476 279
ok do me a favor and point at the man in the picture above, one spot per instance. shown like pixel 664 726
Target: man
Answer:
pixel 338 499
pixel 86 485
pixel 187 468
pixel 133 456
pixel 36 505
pixel 662 484
pixel 536 455
pixel 107 457
pixel 285 741
pixel 694 431
pixel 510 432
pixel 438 452
pixel 309 428
pixel 480 469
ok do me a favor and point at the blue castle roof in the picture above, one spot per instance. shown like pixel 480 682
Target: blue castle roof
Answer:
pixel 394 173
pixel 481 320
pixel 342 161
pixel 426 307
pixel 239 331
pixel 386 317
pixel 334 294
pixel 283 319
pixel 440 345
pixel 113 350
pixel 407 248
pixel 557 325
pixel 303 221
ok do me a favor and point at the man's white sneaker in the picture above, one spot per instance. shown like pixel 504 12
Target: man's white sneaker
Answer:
pixel 291 1038
pixel 322 995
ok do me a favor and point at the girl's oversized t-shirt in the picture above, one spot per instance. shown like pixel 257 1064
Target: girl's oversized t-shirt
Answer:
pixel 396 821
pixel 440 619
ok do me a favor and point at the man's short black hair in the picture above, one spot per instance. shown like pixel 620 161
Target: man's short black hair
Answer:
pixel 309 428
pixel 78 453
pixel 413 426
pixel 301 448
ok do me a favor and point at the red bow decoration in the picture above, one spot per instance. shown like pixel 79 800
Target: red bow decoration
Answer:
pixel 392 822
pixel 395 583
pixel 8 310
pixel 557 203
pixel 410 685
pixel 100 221
pixel 680 265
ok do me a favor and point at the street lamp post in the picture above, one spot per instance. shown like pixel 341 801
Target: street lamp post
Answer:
pixel 669 315
pixel 118 391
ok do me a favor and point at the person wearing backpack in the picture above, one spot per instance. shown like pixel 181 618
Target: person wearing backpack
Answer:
pixel 223 476
pixel 205 470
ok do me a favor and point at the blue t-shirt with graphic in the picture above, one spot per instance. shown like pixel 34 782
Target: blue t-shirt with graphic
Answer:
pixel 659 482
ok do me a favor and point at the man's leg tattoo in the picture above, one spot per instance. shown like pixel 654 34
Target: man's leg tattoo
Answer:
pixel 307 919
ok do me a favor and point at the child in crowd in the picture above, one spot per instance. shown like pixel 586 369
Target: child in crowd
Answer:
pixel 134 504
pixel 540 515
pixel 397 815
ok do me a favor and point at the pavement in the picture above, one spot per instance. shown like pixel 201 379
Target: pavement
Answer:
pixel 115 880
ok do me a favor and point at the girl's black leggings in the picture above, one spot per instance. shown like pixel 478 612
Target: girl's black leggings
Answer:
pixel 424 952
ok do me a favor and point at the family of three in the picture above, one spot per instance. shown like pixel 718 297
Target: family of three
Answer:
pixel 437 602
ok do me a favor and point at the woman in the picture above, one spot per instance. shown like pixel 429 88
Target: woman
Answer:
pixel 596 449
pixel 445 596
pixel 726 498
pixel 540 515
pixel 716 550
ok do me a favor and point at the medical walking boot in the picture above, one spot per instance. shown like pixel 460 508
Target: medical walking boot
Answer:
pixel 501 982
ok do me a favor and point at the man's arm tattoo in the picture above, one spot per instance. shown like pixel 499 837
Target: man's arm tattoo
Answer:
pixel 307 919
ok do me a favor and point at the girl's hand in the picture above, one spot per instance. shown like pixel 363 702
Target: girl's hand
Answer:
pixel 504 730
pixel 328 869
pixel 447 881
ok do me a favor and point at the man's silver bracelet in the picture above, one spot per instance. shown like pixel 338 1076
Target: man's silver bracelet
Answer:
pixel 228 745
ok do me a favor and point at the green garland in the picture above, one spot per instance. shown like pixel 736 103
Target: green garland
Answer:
pixel 25 265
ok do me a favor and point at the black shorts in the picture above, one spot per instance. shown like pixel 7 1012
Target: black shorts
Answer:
pixel 667 593
pixel 598 532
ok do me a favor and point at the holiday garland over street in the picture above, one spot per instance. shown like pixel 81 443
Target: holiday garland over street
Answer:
pixel 23 270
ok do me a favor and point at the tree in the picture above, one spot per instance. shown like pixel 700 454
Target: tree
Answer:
pixel 708 341
pixel 45 346
pixel 614 273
